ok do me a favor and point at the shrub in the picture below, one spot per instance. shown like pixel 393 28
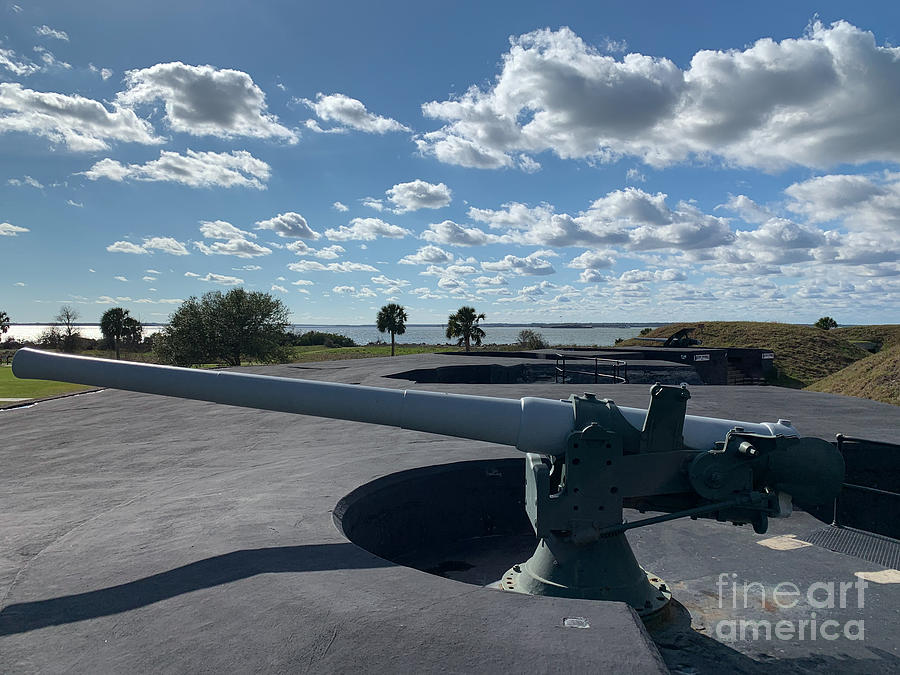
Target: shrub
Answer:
pixel 530 339
pixel 314 337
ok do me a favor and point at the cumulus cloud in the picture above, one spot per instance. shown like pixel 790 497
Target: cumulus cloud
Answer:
pixel 452 234
pixel 868 203
pixel 825 98
pixel 372 203
pixel 205 101
pixel 367 229
pixel 428 255
pixel 315 266
pixel 746 208
pixel 301 248
pixel 290 224
pixel 150 244
pixel 79 123
pixel 10 230
pixel 349 113
pixel 229 240
pixel 221 279
pixel 532 265
pixel 195 169
pixel 630 217
pixel 339 206
pixel 50 61
pixel 418 194
pixel 104 73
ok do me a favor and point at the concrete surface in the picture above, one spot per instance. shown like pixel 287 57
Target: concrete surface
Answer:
pixel 143 533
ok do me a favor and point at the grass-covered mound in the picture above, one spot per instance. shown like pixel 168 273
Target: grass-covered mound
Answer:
pixel 883 336
pixel 875 377
pixel 803 354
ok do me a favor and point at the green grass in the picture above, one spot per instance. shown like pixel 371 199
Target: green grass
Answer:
pixel 803 354
pixel 322 353
pixel 12 387
pixel 883 336
pixel 876 377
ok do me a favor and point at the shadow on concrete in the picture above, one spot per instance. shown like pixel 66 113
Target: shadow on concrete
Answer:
pixel 215 571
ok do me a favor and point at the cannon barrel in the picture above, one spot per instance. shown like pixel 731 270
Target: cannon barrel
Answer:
pixel 530 424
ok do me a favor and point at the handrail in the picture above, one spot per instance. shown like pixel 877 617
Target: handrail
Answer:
pixel 618 367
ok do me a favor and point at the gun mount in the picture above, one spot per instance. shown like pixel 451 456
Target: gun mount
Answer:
pixel 586 460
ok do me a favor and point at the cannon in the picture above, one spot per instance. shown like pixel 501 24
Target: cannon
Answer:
pixel 586 459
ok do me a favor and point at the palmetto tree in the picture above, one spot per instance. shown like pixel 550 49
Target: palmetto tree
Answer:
pixel 464 326
pixel 392 318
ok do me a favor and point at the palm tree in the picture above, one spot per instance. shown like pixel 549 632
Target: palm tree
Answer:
pixel 112 325
pixel 464 325
pixel 392 318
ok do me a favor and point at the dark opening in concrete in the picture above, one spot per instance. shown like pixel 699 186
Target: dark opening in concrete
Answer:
pixel 464 521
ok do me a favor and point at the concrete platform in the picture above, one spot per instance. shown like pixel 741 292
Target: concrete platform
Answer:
pixel 143 533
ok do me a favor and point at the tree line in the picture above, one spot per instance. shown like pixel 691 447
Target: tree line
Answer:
pixel 241 325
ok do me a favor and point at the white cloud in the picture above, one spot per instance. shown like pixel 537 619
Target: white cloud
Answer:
pixel 498 280
pixel 16 64
pixel 222 279
pixel 105 73
pixel 418 194
pixel 280 289
pixel 46 31
pixel 452 234
pixel 747 209
pixel 77 205
pixel 247 268
pixel 82 124
pixel 433 255
pixel 825 98
pixel 120 278
pixel 25 180
pixel 205 101
pixel 10 230
pixel 50 61
pixel 196 169
pixel 532 265
pixel 162 244
pixel 366 229
pixel 389 285
pixel 20 284
pixel 315 266
pixel 289 224
pixel 230 240
pixel 350 113
pixel 859 202
pixel 372 203
pixel 339 206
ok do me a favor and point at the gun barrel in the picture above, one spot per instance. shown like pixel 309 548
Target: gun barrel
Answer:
pixel 530 424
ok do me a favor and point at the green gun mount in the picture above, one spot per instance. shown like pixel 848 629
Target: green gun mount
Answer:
pixel 575 499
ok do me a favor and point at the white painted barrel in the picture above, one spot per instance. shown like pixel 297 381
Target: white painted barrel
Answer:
pixel 530 424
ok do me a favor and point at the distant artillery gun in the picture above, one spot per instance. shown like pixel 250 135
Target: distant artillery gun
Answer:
pixel 586 460
pixel 678 339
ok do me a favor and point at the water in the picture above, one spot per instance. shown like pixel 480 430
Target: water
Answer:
pixel 415 334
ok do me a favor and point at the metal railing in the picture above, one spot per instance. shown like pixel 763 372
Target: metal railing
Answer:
pixel 619 373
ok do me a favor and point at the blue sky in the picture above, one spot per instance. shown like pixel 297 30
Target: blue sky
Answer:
pixel 540 161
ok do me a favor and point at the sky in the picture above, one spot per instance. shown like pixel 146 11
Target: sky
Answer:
pixel 542 162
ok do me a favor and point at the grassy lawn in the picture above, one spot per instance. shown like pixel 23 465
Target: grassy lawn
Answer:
pixel 322 353
pixel 12 387
pixel 876 377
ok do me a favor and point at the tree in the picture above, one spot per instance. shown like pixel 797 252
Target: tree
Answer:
pixel 464 325
pixel 119 328
pixel 530 339
pixel 69 334
pixel 826 323
pixel 4 322
pixel 224 328
pixel 392 319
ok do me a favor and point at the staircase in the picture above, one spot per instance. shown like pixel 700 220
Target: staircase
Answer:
pixel 738 376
